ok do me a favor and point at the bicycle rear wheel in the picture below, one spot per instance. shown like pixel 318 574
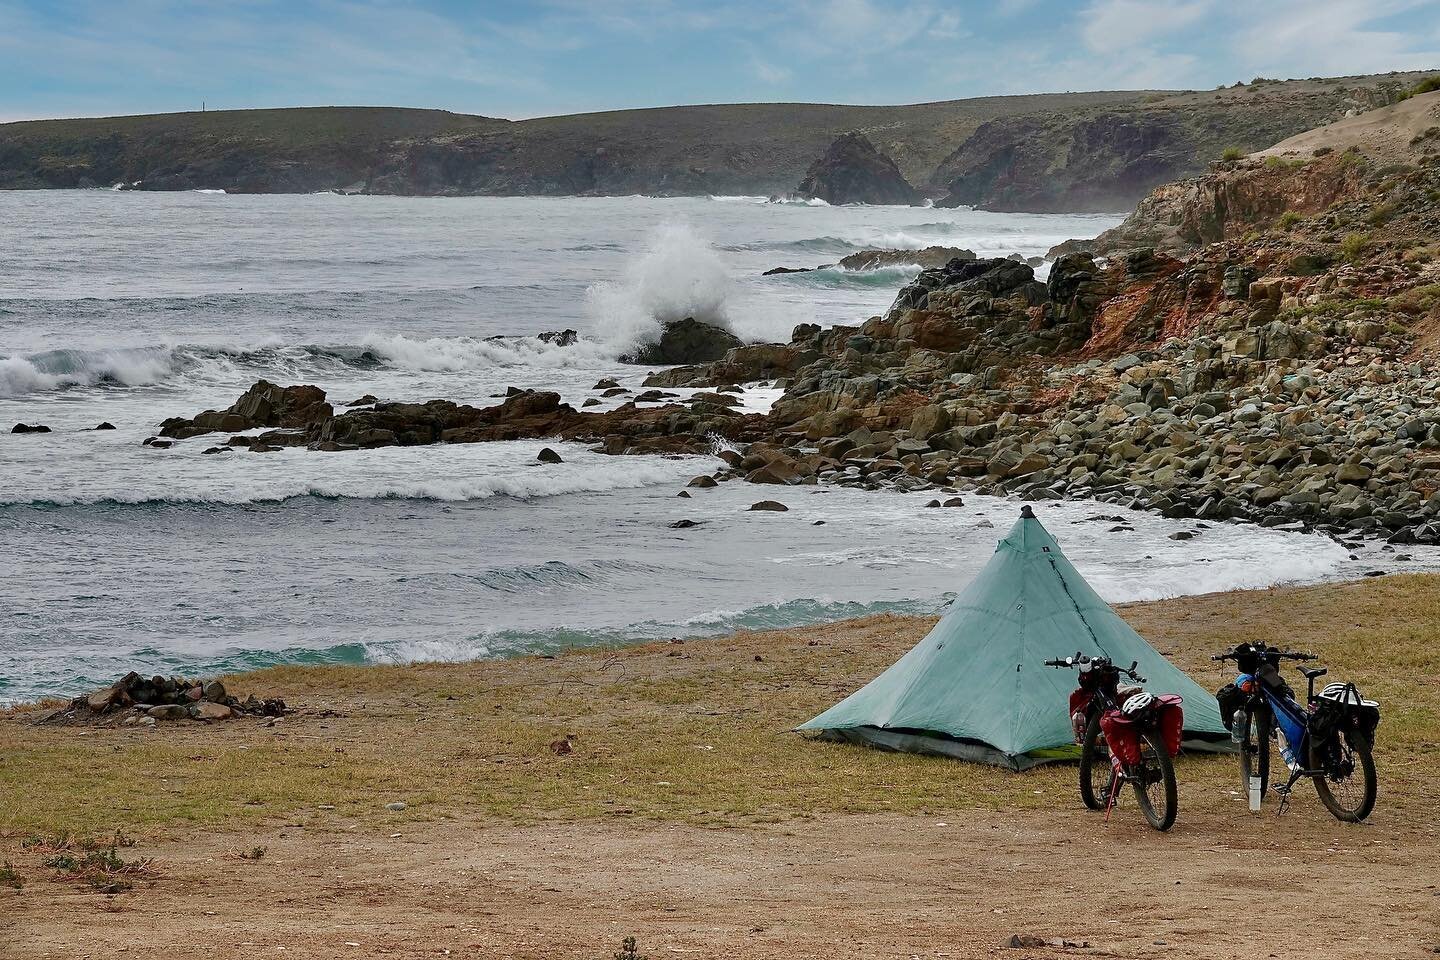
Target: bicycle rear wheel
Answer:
pixel 1154 782
pixel 1094 766
pixel 1347 784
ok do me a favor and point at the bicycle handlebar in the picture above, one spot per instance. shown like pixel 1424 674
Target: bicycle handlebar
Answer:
pixel 1080 660
pixel 1260 651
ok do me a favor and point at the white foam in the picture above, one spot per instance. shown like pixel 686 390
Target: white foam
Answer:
pixel 458 472
pixel 65 368
pixel 455 354
pixel 678 274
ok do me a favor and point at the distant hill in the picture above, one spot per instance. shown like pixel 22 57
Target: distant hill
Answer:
pixel 1060 152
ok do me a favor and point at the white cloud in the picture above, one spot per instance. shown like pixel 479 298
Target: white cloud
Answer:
pixel 1114 26
pixel 768 72
pixel 1337 37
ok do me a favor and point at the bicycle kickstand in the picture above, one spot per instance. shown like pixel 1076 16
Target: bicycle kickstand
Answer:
pixel 1286 790
pixel 1114 792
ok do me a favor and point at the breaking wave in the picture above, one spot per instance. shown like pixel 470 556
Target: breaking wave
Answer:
pixel 193 365
pixel 677 275
pixel 891 276
pixel 213 484
pixel 768 616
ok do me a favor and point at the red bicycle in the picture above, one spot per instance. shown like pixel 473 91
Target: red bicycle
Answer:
pixel 1126 735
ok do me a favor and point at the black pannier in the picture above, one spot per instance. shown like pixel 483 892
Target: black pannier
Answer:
pixel 1341 709
pixel 1230 698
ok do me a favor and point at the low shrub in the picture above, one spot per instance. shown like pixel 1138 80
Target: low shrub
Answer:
pixel 1354 246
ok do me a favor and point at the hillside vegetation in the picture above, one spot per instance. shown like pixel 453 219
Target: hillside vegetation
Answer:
pixel 1072 151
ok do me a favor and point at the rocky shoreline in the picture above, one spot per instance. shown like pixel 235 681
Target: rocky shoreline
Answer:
pixel 1281 373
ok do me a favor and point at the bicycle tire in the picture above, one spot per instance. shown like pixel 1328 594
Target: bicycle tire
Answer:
pixel 1360 749
pixel 1258 723
pixel 1164 818
pixel 1093 759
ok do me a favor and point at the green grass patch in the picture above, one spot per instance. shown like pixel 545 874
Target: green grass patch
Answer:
pixel 698 733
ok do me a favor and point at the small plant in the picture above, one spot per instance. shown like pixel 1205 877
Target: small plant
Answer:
pixel 1354 246
pixel 1428 85
pixel 628 950
pixel 1323 151
pixel 254 853
pixel 102 867
pixel 1382 214
pixel 9 877
pixel 1353 158
pixel 1231 154
pixel 1287 220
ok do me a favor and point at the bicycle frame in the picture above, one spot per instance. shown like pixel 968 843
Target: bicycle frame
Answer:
pixel 1292 720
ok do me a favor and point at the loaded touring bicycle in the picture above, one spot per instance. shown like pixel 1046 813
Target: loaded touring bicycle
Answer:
pixel 1329 738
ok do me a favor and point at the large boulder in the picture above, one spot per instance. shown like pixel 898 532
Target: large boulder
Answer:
pixel 853 171
pixel 927 258
pixel 684 342
pixel 265 404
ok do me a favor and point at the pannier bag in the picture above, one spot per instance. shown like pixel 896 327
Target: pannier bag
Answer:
pixel 1339 707
pixel 1123 732
pixel 1123 736
pixel 1172 721
pixel 1230 699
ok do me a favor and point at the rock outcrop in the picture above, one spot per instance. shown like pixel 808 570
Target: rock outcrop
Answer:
pixel 264 405
pixel 668 427
pixel 853 171
pixel 685 341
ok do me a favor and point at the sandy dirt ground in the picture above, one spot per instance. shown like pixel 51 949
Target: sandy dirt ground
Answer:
pixel 1300 885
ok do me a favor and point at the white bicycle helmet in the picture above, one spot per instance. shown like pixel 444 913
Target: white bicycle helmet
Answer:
pixel 1137 703
pixel 1345 693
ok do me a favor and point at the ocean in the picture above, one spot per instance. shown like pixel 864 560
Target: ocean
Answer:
pixel 131 307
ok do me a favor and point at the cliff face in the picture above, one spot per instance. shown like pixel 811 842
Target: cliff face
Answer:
pixel 1309 174
pixel 1084 151
pixel 853 171
pixel 1105 159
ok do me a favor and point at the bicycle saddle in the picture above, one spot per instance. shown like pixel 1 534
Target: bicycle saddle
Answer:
pixel 1312 672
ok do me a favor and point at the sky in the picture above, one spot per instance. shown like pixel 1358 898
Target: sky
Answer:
pixel 65 58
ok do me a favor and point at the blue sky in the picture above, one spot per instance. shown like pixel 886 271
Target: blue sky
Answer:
pixel 93 57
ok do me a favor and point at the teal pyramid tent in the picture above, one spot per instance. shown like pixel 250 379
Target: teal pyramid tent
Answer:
pixel 976 687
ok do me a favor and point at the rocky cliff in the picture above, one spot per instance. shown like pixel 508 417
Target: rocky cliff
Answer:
pixel 853 171
pixel 1080 151
pixel 1105 158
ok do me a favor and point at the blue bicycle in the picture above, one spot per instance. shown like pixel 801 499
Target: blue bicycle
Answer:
pixel 1328 739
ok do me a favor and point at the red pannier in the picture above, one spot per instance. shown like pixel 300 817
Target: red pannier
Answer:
pixel 1122 732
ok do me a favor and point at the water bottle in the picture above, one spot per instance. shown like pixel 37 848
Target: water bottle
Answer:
pixel 1254 794
pixel 1287 752
pixel 1237 731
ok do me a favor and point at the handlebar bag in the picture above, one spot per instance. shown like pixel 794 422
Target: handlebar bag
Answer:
pixel 1268 674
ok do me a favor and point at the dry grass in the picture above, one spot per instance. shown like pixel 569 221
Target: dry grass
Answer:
pixel 695 732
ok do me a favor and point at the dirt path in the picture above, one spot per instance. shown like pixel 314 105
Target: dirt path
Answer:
pixel 875 886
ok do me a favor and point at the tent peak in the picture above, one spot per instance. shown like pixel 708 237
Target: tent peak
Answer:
pixel 1026 513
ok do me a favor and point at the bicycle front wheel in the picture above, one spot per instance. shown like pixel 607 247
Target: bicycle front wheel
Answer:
pixel 1255 750
pixel 1154 782
pixel 1094 766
